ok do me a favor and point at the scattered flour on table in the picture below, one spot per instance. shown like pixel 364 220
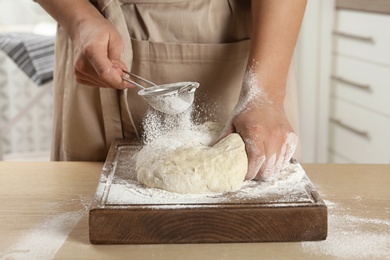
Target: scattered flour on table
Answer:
pixel 352 236
pixel 45 239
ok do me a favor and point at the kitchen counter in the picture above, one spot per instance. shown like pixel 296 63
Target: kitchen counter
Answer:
pixel 44 215
pixel 374 6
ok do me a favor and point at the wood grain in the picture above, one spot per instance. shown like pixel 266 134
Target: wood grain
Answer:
pixel 110 226
pixel 255 220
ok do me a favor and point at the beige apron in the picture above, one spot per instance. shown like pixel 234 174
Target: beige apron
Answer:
pixel 166 41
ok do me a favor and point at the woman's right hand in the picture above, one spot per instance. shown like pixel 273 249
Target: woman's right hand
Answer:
pixel 97 54
pixel 97 44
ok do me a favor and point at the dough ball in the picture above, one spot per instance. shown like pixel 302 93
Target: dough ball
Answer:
pixel 201 169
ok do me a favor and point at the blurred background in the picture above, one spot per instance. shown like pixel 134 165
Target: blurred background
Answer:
pixel 342 65
pixel 343 73
pixel 26 93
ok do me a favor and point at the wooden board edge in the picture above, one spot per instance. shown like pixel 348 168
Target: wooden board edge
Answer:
pixel 207 226
pixel 97 212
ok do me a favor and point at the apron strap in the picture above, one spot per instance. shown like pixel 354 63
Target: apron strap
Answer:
pixel 118 122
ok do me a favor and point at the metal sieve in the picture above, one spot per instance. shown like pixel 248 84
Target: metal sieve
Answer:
pixel 173 98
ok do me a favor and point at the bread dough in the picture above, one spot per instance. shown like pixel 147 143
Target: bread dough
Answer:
pixel 200 169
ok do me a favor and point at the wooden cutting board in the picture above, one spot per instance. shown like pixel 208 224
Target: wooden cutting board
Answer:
pixel 126 212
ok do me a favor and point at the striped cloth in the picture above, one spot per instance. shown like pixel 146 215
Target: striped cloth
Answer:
pixel 34 54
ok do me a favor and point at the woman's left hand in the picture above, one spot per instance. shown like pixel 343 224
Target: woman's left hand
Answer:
pixel 270 141
pixel 260 119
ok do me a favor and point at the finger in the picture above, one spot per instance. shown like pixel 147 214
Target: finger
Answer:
pixel 119 66
pixel 86 74
pixel 291 146
pixel 91 84
pixel 256 158
pixel 85 78
pixel 280 161
pixel 104 67
pixel 271 152
pixel 269 167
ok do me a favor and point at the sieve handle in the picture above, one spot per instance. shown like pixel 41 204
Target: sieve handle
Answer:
pixel 132 82
pixel 137 77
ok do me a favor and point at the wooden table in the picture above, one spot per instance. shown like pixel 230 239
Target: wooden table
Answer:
pixel 44 206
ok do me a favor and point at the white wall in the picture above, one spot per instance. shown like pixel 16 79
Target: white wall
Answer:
pixel 313 60
pixel 21 12
pixel 26 109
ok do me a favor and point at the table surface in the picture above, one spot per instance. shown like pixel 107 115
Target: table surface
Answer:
pixel 44 215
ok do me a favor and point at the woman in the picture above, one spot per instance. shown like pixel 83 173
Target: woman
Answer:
pixel 240 52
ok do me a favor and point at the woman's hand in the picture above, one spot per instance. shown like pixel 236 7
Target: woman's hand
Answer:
pixel 98 48
pixel 270 141
pixel 97 44
pixel 259 116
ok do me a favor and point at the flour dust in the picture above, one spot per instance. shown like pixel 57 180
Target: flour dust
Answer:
pixel 352 236
pixel 46 238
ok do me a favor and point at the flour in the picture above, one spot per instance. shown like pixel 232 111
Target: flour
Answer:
pixel 156 125
pixel 172 105
pixel 164 133
pixel 351 236
pixel 269 169
pixel 46 238
pixel 285 186
pixel 171 99
pixel 251 92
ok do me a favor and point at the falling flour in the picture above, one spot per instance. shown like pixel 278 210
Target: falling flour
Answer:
pixel 156 125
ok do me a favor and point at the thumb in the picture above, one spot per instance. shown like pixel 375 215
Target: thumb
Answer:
pixel 256 158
